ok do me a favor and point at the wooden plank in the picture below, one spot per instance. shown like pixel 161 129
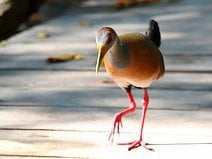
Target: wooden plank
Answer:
pixel 104 97
pixel 88 79
pixel 98 119
pixel 185 62
pixel 67 89
pixel 93 145
pixel 48 144
pixel 38 62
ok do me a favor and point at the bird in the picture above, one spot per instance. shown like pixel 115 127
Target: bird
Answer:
pixel 132 60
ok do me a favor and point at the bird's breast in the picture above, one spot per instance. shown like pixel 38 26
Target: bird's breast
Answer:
pixel 140 68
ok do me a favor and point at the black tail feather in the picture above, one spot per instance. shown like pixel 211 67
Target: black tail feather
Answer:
pixel 153 33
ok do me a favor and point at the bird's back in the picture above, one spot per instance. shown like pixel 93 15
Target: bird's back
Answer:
pixel 145 64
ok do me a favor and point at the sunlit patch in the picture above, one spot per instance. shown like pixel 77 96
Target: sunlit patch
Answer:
pixel 176 16
pixel 175 35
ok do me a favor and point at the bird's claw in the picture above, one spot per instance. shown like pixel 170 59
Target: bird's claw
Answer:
pixel 136 144
pixel 116 124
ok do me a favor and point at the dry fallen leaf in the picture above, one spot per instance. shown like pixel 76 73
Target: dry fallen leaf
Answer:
pixel 3 43
pixel 42 35
pixel 85 23
pixel 121 4
pixel 64 58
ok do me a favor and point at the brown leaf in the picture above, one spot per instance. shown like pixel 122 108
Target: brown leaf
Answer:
pixel 42 35
pixel 3 43
pixel 121 4
pixel 85 23
pixel 64 58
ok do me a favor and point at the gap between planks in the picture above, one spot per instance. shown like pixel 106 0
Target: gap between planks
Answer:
pixel 36 156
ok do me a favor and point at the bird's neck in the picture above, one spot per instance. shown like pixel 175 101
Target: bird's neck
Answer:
pixel 118 55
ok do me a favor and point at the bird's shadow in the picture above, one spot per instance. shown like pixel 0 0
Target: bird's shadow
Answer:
pixel 184 143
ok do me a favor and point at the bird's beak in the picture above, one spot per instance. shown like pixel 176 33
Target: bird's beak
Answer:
pixel 101 53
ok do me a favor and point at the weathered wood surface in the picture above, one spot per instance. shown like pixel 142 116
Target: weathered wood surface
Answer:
pixel 33 61
pixel 65 110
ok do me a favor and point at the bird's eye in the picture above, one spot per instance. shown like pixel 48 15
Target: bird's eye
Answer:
pixel 109 39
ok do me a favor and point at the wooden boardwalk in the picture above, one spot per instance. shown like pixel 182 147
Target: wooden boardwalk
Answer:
pixel 65 111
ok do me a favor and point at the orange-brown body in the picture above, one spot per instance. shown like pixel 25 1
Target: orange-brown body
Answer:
pixel 146 62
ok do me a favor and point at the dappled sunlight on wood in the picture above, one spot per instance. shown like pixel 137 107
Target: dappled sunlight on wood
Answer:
pixel 178 16
pixel 65 111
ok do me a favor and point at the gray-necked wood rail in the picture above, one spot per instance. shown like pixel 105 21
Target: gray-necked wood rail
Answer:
pixel 131 60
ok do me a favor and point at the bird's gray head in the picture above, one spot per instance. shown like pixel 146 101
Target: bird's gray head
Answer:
pixel 105 39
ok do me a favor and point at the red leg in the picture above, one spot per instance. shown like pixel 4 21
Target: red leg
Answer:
pixel 138 143
pixel 117 118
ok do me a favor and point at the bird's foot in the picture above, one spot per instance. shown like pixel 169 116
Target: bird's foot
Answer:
pixel 116 125
pixel 136 144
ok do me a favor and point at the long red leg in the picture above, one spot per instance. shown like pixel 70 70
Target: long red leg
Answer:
pixel 138 143
pixel 117 118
